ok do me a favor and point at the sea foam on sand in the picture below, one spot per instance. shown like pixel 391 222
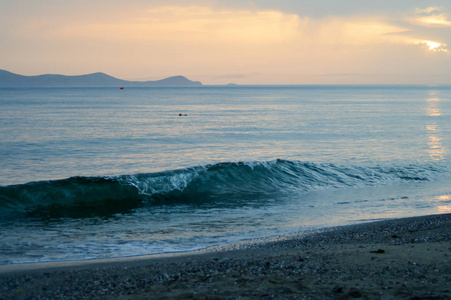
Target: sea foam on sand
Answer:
pixel 394 259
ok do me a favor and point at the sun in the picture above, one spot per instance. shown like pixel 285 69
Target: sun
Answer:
pixel 434 46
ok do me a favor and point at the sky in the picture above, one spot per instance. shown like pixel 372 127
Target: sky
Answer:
pixel 231 41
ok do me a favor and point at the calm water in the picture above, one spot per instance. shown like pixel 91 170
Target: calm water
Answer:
pixel 91 173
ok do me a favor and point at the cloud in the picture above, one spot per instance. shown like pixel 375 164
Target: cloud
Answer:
pixel 251 44
pixel 194 24
pixel 431 16
pixel 433 46
pixel 430 11
pixel 364 31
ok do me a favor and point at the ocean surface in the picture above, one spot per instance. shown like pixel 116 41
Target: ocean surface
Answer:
pixel 91 173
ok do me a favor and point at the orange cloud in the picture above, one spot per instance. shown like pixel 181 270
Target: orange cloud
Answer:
pixel 432 16
pixel 168 40
pixel 203 24
pixel 194 24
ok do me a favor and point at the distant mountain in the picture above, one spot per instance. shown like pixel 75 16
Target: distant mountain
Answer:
pixel 8 79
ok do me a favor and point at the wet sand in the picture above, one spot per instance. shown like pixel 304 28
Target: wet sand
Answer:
pixel 396 259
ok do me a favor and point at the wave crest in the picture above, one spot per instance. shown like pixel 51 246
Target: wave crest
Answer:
pixel 228 183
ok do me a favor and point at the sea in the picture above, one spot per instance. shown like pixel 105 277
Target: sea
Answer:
pixel 89 173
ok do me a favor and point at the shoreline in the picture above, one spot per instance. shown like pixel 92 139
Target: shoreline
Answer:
pixel 390 259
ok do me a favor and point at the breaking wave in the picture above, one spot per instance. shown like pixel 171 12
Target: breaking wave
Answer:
pixel 229 183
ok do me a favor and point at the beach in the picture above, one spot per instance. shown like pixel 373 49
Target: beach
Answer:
pixel 391 259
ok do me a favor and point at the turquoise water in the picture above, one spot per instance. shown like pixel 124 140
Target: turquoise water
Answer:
pixel 104 172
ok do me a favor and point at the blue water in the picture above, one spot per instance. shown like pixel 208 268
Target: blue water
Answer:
pixel 102 172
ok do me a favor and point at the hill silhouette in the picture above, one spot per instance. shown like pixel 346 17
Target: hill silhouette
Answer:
pixel 8 79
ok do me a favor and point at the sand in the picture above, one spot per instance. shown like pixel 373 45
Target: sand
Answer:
pixel 395 259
